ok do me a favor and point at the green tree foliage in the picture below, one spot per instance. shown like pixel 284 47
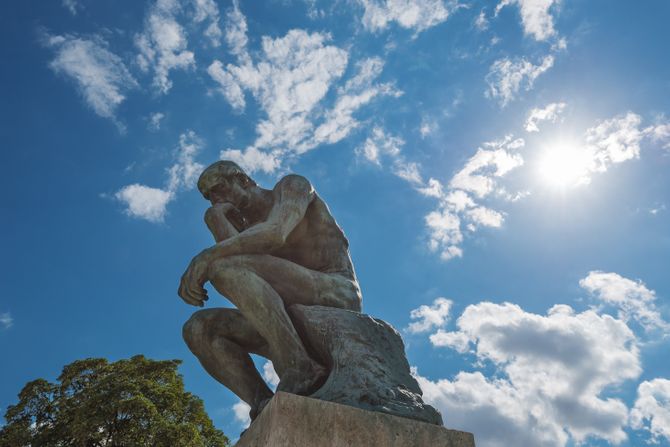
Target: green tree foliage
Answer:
pixel 135 402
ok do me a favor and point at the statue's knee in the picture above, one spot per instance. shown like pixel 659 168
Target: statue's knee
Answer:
pixel 194 329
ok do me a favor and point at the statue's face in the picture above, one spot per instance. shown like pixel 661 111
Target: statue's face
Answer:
pixel 234 189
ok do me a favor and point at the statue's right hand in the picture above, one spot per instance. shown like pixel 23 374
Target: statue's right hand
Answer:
pixel 191 288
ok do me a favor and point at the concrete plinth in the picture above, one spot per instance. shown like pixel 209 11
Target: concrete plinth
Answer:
pixel 296 421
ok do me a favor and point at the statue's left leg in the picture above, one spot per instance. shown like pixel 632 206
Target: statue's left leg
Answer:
pixel 222 340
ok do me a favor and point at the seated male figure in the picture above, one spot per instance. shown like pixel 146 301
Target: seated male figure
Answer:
pixel 274 248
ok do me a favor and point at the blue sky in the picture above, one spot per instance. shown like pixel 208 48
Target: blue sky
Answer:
pixel 500 170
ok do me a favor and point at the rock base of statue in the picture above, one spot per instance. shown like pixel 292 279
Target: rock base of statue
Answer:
pixel 295 421
pixel 366 359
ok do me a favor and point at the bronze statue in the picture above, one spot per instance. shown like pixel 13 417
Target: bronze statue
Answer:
pixel 274 249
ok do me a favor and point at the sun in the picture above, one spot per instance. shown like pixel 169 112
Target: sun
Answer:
pixel 564 164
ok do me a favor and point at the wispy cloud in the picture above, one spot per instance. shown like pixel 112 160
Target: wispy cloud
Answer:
pixel 551 372
pixel 632 299
pixel 418 15
pixel 612 141
pixel 460 206
pixel 148 203
pixel 536 16
pixel 551 112
pixel 155 121
pixel 652 409
pixel 72 6
pixel 208 11
pixel 163 44
pixel 507 77
pixel 101 76
pixel 6 320
pixel 290 79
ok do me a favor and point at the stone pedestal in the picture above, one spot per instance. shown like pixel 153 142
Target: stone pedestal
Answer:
pixel 296 421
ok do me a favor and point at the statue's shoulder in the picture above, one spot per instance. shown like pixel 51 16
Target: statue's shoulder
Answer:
pixel 295 183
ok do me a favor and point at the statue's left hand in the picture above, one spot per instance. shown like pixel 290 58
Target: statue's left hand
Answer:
pixel 191 288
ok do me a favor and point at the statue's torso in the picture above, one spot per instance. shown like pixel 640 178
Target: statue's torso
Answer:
pixel 318 243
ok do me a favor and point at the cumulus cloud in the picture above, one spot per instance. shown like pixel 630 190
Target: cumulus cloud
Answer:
pixel 145 202
pixel 536 16
pixel 290 80
pixel 507 77
pixel 551 373
pixel 418 15
pixel 101 76
pixel 163 44
pixel 270 375
pixel 148 203
pixel 652 409
pixel 241 411
pixel 632 299
pixel 430 317
pixel 551 112
pixel 6 320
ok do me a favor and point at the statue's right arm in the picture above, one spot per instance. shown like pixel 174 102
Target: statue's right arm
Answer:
pixel 218 223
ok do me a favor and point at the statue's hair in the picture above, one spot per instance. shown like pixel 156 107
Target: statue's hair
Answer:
pixel 217 173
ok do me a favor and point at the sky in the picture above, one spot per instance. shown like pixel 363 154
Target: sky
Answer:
pixel 499 168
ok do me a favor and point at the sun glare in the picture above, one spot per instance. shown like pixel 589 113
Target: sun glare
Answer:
pixel 564 165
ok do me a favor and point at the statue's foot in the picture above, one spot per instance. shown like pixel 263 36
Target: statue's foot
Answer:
pixel 303 382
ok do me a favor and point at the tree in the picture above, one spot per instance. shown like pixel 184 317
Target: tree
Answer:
pixel 134 402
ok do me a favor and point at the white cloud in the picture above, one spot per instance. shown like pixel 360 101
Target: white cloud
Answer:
pixel 536 17
pixel 6 320
pixel 163 44
pixel 611 141
pixel 652 409
pixel 633 299
pixel 145 202
pixel 430 317
pixel 659 134
pixel 507 77
pixel 380 144
pixel 481 22
pixel 155 121
pixel 456 203
pixel 290 81
pixel 207 10
pixel 72 6
pixel 551 112
pixel 241 410
pixel 486 217
pixel 236 31
pixel 418 15
pixel 101 76
pixel 614 141
pixel 478 176
pixel 270 375
pixel 551 372
pixel 444 227
pixel 149 203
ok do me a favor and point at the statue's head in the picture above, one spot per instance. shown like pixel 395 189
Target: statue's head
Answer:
pixel 225 181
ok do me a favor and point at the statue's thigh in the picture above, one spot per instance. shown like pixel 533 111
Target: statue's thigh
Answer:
pixel 297 284
pixel 231 325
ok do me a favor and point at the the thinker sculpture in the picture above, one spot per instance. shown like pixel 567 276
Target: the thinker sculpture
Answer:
pixel 283 261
